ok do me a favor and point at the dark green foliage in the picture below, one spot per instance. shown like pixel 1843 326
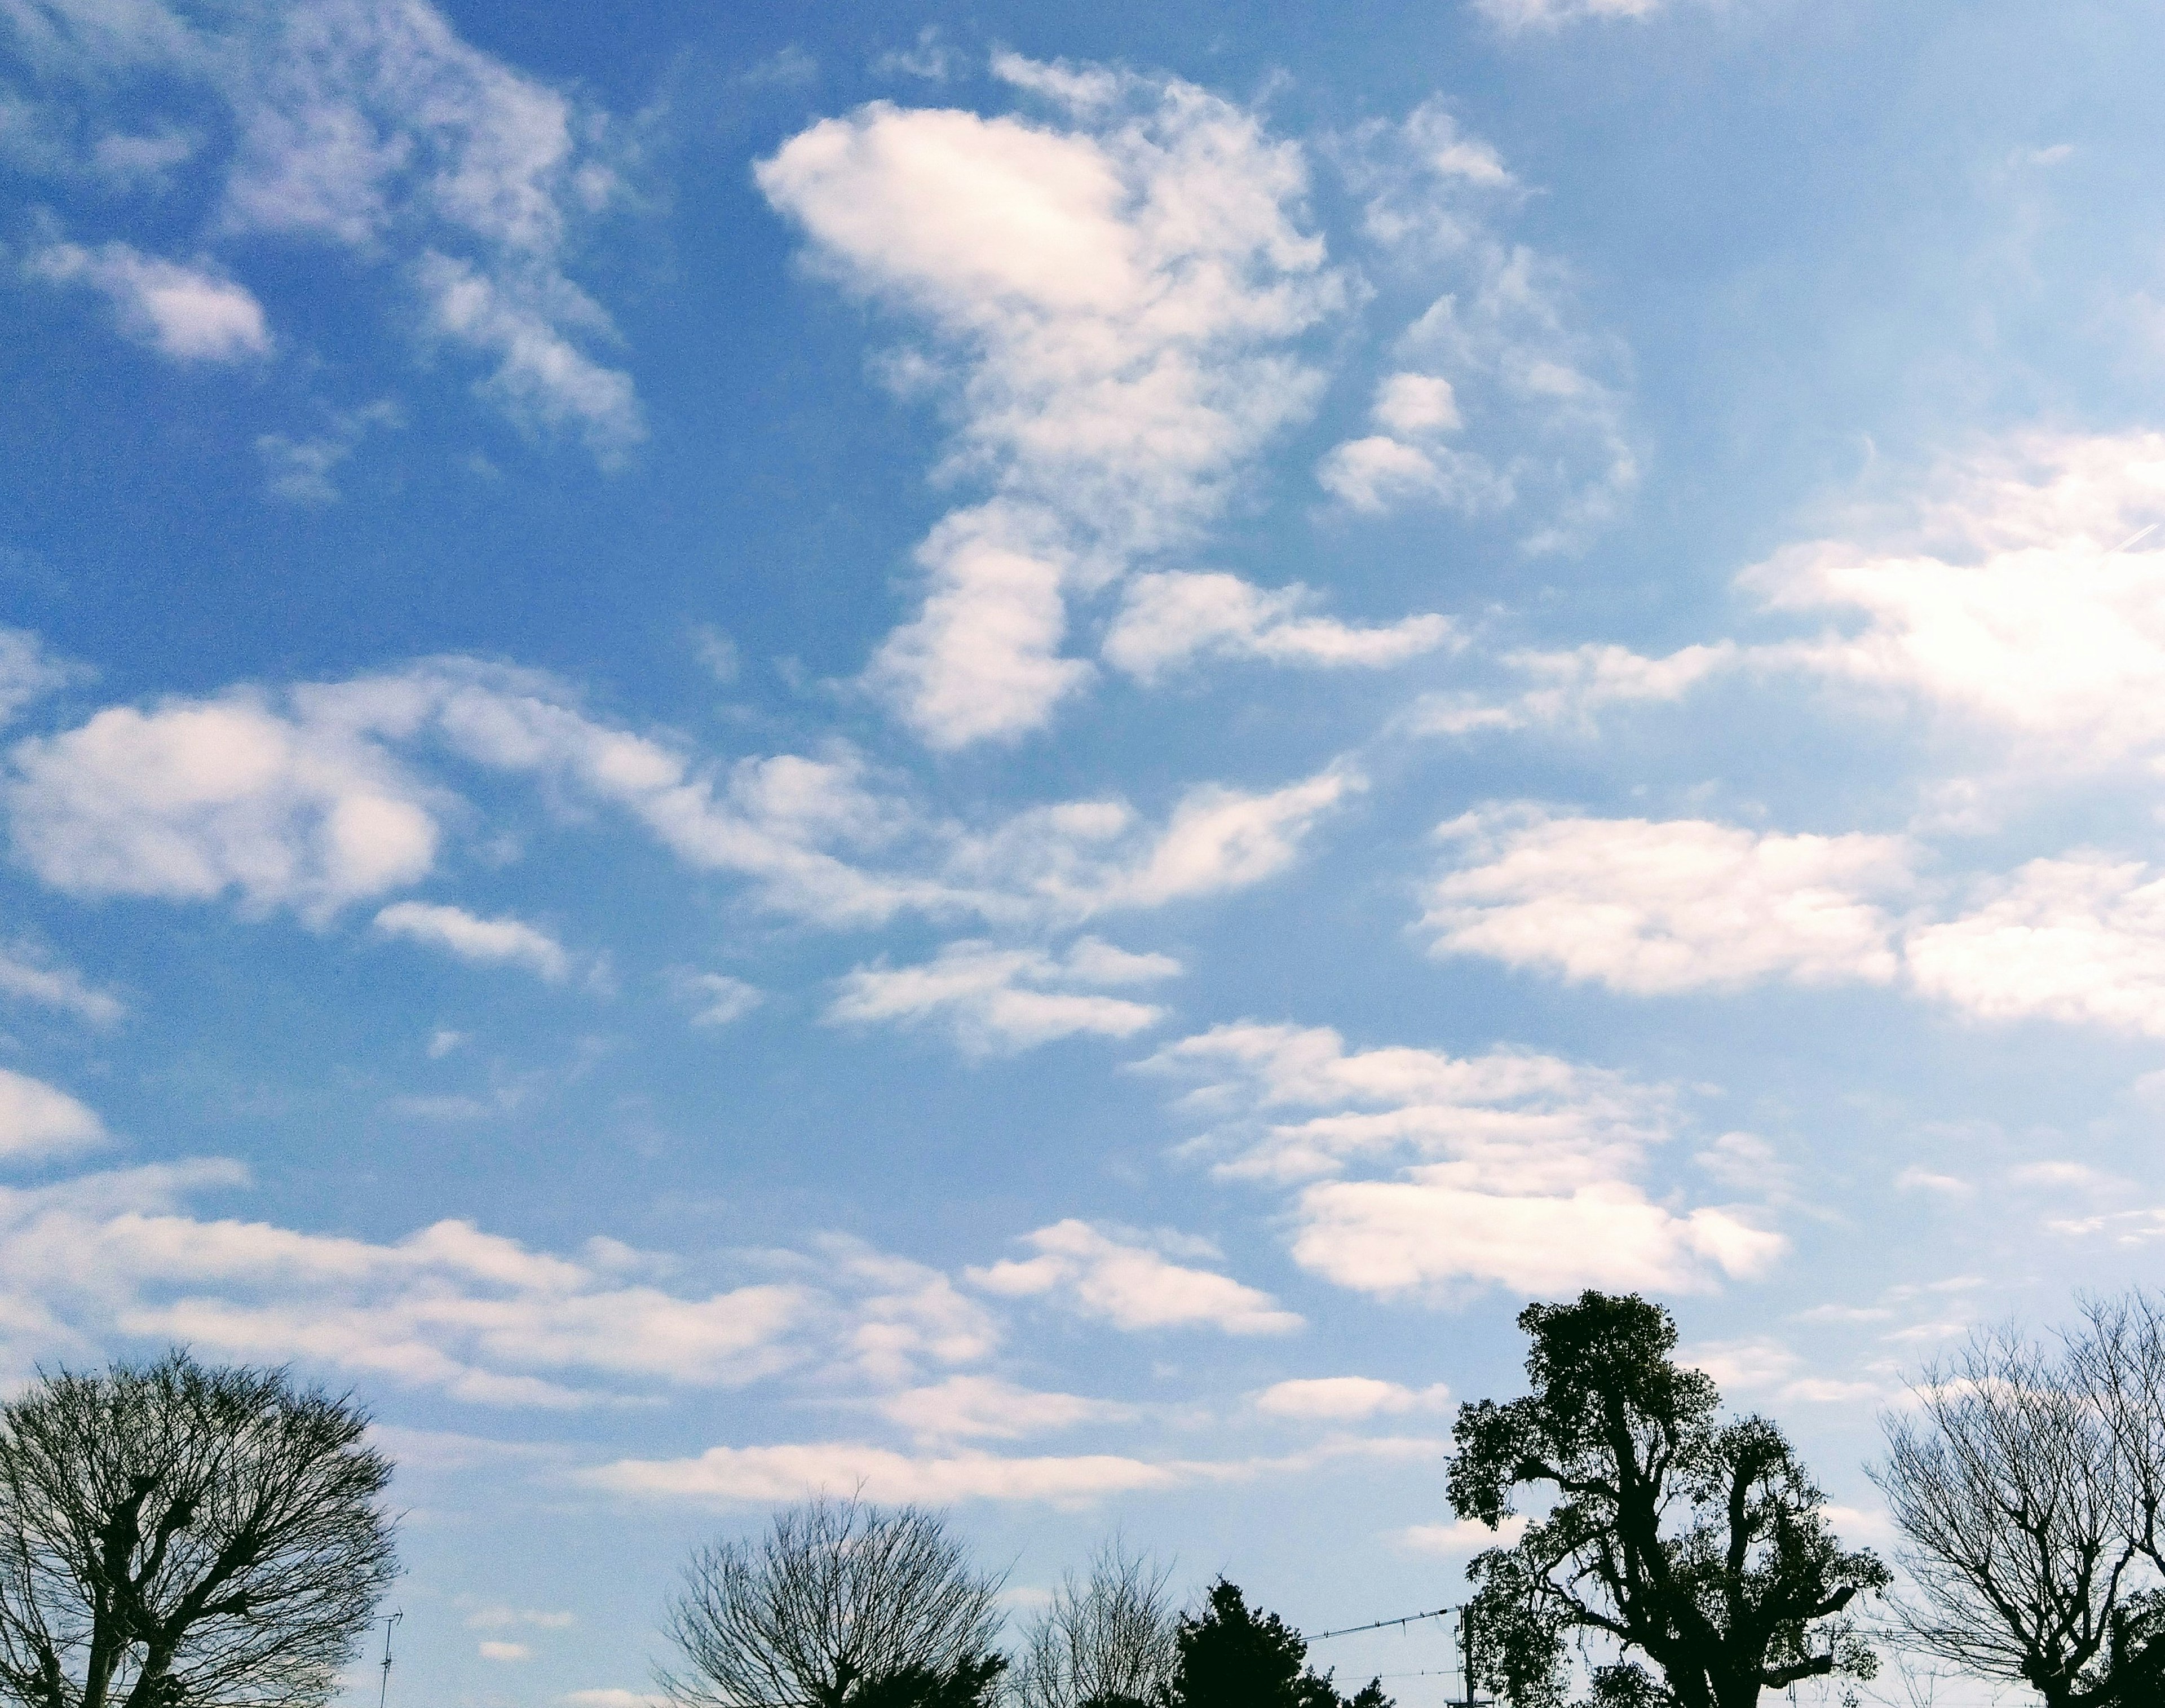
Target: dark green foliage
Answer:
pixel 1696 1545
pixel 1232 1656
pixel 970 1684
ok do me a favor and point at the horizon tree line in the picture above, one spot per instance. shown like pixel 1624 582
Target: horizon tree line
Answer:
pixel 180 1535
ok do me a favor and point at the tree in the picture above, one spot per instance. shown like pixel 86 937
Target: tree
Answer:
pixel 2026 1483
pixel 1108 1642
pixel 1674 1540
pixel 1231 1657
pixel 174 1535
pixel 841 1604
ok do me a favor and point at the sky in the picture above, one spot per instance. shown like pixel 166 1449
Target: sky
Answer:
pixel 1013 754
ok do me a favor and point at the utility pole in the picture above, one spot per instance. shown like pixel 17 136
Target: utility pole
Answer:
pixel 383 1692
pixel 1465 1663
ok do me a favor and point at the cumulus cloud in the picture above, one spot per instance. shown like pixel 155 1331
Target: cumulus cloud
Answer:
pixel 1510 1170
pixel 187 314
pixel 1129 1283
pixel 28 976
pixel 504 941
pixel 718 999
pixel 1347 1398
pixel 997 1000
pixel 1168 620
pixel 2080 939
pixel 1567 687
pixel 37 1121
pixel 1499 399
pixel 1462 1537
pixel 28 671
pixel 1653 906
pixel 196 799
pixel 1110 294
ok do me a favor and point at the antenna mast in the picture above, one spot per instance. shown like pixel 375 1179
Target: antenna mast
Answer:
pixel 383 1692
pixel 1466 1662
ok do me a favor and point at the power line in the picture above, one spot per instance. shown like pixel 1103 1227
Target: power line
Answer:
pixel 1382 1624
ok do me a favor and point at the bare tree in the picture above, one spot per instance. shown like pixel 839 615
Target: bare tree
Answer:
pixel 179 1536
pixel 841 1604
pixel 1111 1642
pixel 2012 1484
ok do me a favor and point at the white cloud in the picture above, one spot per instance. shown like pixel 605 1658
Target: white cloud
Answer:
pixel 505 942
pixel 1168 620
pixel 998 999
pixel 188 313
pixel 1496 401
pixel 299 471
pixel 197 798
pixel 1569 687
pixel 1554 14
pixel 500 1651
pixel 369 123
pixel 37 1121
pixel 720 999
pixel 1461 1537
pixel 28 671
pixel 2080 939
pixel 965 1405
pixel 1110 298
pixel 610 1696
pixel 30 977
pixel 1131 1285
pixel 1347 1398
pixel 1648 907
pixel 733 1476
pixel 1510 1170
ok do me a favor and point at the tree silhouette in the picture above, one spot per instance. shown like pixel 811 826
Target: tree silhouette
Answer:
pixel 1232 1656
pixel 1696 1546
pixel 175 1534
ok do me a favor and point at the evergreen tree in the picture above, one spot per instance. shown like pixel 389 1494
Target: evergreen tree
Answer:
pixel 1234 1657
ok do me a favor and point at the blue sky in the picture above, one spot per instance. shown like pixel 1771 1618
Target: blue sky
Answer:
pixel 1018 753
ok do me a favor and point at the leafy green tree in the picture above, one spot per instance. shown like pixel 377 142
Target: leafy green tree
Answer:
pixel 1234 1657
pixel 1698 1549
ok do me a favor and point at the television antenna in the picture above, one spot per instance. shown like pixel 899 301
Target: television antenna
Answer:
pixel 383 1690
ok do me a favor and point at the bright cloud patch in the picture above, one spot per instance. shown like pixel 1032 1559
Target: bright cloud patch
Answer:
pixel 1657 907
pixel 1170 619
pixel 487 942
pixel 733 1476
pixel 2080 939
pixel 188 313
pixel 1507 1170
pixel 1131 1285
pixel 1110 297
pixel 38 1121
pixel 1347 1398
pixel 970 1406
pixel 998 999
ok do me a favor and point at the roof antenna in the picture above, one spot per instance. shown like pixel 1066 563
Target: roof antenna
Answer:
pixel 384 1692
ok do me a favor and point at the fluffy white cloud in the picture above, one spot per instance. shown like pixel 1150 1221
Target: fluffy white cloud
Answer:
pixel 1347 1398
pixel 718 999
pixel 505 942
pixel 1568 687
pixel 1169 619
pixel 1000 1000
pixel 365 122
pixel 1497 400
pixel 27 670
pixel 965 1405
pixel 2079 940
pixel 1110 298
pixel 37 1121
pixel 198 798
pixel 1461 1537
pixel 1512 1169
pixel 189 314
pixel 1684 904
pixel 1131 1285
pixel 310 798
pixel 2024 592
